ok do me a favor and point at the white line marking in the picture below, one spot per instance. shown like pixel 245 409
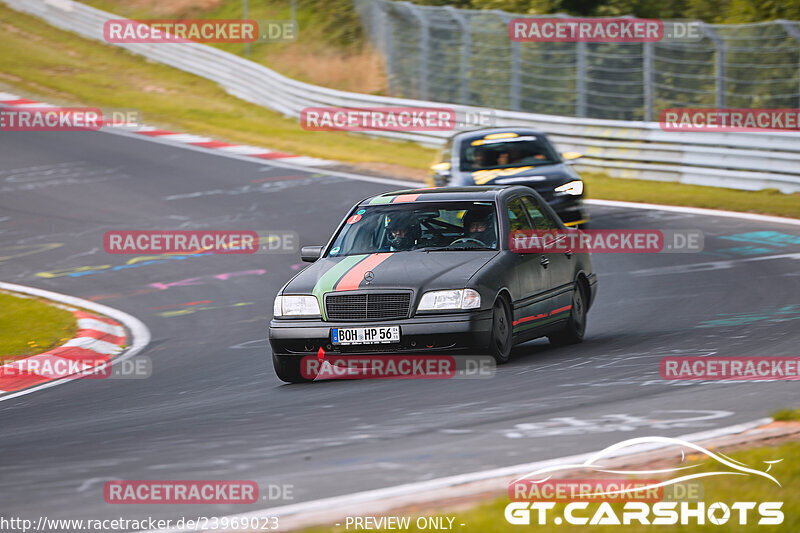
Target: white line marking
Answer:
pixel 383 500
pixel 95 345
pixel 140 335
pixel 697 211
pixel 185 138
pixel 243 149
pixel 97 325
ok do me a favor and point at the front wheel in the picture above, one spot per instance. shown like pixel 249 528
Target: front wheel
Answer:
pixel 501 339
pixel 572 332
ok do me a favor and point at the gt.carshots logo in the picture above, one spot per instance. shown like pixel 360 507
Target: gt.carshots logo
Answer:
pixel 646 501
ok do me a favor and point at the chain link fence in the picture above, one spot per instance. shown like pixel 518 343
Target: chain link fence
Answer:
pixel 465 56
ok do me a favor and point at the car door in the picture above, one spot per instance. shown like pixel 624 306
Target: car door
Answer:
pixel 560 263
pixel 532 273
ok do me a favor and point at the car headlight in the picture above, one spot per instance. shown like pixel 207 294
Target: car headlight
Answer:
pixel 574 188
pixel 295 306
pixel 454 299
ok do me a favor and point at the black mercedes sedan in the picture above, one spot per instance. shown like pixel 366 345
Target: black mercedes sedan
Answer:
pixel 513 156
pixel 430 271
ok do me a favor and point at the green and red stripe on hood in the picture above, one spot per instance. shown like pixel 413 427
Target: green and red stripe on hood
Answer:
pixel 346 275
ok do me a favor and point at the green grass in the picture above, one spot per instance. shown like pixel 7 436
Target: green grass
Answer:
pixel 489 518
pixel 31 326
pixel 62 68
pixel 787 415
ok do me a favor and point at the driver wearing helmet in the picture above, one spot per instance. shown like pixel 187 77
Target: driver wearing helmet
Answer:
pixel 402 232
pixel 479 225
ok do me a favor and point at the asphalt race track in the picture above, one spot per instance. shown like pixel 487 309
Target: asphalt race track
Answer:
pixel 213 408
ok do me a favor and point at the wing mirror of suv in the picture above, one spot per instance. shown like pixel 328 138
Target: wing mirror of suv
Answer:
pixel 309 254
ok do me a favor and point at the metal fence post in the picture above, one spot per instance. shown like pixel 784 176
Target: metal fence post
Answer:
pixel 385 28
pixel 793 32
pixel 245 16
pixel 580 79
pixel 422 53
pixel 647 80
pixel 719 44
pixel 514 65
pixel 466 47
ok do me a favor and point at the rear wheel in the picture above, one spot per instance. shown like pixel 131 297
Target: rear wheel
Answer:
pixel 572 332
pixel 501 338
pixel 288 369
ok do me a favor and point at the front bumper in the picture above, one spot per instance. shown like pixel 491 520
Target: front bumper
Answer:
pixel 446 332
pixel 569 208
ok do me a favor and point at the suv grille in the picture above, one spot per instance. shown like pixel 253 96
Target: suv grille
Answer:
pixel 367 306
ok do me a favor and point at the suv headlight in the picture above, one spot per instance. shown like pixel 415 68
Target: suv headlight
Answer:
pixel 454 299
pixel 296 306
pixel 574 188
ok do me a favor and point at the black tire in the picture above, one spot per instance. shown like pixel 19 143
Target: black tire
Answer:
pixel 288 369
pixel 501 339
pixel 572 332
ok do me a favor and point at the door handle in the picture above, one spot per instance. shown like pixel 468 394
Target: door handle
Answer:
pixel 544 261
pixel 568 253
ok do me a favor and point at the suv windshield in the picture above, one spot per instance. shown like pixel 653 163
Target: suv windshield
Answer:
pixel 420 226
pixel 522 151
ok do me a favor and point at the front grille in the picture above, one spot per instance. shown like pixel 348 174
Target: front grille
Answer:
pixel 367 306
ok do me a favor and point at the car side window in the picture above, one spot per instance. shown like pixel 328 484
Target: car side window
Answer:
pixel 517 219
pixel 541 219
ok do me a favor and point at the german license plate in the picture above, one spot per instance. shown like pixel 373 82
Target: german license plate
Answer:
pixel 376 335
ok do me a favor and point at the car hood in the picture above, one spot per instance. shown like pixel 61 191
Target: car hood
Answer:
pixel 420 271
pixel 545 176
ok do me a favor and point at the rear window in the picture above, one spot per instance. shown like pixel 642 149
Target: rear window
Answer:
pixel 521 151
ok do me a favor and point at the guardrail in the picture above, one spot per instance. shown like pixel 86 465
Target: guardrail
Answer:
pixel 628 149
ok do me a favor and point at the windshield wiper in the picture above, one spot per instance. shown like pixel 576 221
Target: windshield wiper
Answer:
pixel 453 248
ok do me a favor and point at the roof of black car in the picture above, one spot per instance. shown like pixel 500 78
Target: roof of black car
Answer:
pixel 519 130
pixel 437 194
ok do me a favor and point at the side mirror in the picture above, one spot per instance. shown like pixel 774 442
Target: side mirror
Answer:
pixel 309 254
pixel 570 157
pixel 440 172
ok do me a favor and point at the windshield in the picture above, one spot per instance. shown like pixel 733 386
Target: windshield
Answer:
pixel 525 150
pixel 418 226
